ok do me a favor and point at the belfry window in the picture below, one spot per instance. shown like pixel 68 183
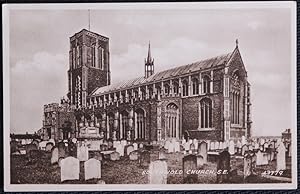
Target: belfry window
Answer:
pixel 206 113
pixel 235 99
pixel 175 88
pixel 167 90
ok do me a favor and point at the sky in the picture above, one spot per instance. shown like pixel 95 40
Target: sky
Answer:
pixel 39 47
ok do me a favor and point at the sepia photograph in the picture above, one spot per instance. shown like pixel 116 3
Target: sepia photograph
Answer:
pixel 149 96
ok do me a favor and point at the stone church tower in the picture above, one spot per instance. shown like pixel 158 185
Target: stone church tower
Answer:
pixel 89 65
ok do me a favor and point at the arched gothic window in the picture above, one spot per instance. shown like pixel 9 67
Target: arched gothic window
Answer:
pixel 206 113
pixel 167 89
pixel 140 124
pixel 185 88
pixel 172 120
pixel 195 86
pixel 125 125
pixel 235 99
pixel 175 88
pixel 206 84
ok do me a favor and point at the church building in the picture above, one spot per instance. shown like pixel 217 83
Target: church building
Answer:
pixel 208 99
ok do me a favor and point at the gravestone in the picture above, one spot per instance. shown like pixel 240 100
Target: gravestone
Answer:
pixel 110 144
pixel 244 149
pixel 141 146
pixel 200 161
pixel 115 156
pixel 161 155
pixel 217 145
pixel 247 165
pixel 49 146
pixel 186 147
pixel 171 147
pixel 129 149
pixel 124 142
pixel 54 155
pixel 192 148
pixel 203 151
pixel 158 172
pixel 281 162
pixel 223 165
pixel 195 142
pixel 92 169
pixel 177 147
pixel 260 158
pixel 243 140
pixel 212 145
pixel 167 143
pixel 221 145
pixel 135 146
pixel 144 158
pixel 42 145
pixel 103 147
pixel 231 147
pixel 134 155
pixel 61 150
pixel 189 163
pixel 69 169
pixel 82 152
pixel 120 149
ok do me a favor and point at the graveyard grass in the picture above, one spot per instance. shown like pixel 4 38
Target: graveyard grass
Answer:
pixel 40 171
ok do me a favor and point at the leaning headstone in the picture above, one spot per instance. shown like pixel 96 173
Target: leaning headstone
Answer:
pixel 115 156
pixel 189 163
pixel 134 155
pixel 69 169
pixel 223 165
pixel 158 172
pixel 203 151
pixel 281 163
pixel 92 169
pixel 54 155
pixel 231 147
pixel 247 165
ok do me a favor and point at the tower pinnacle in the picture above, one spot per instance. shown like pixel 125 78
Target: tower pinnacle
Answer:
pixel 149 63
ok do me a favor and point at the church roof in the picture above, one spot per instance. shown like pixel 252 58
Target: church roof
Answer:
pixel 166 74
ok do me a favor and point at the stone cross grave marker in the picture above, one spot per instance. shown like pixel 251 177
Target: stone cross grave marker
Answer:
pixel 202 150
pixel 158 172
pixel 69 169
pixel 223 164
pixel 281 163
pixel 92 169
pixel 189 164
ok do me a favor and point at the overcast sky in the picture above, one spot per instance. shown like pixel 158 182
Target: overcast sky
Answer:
pixel 39 46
